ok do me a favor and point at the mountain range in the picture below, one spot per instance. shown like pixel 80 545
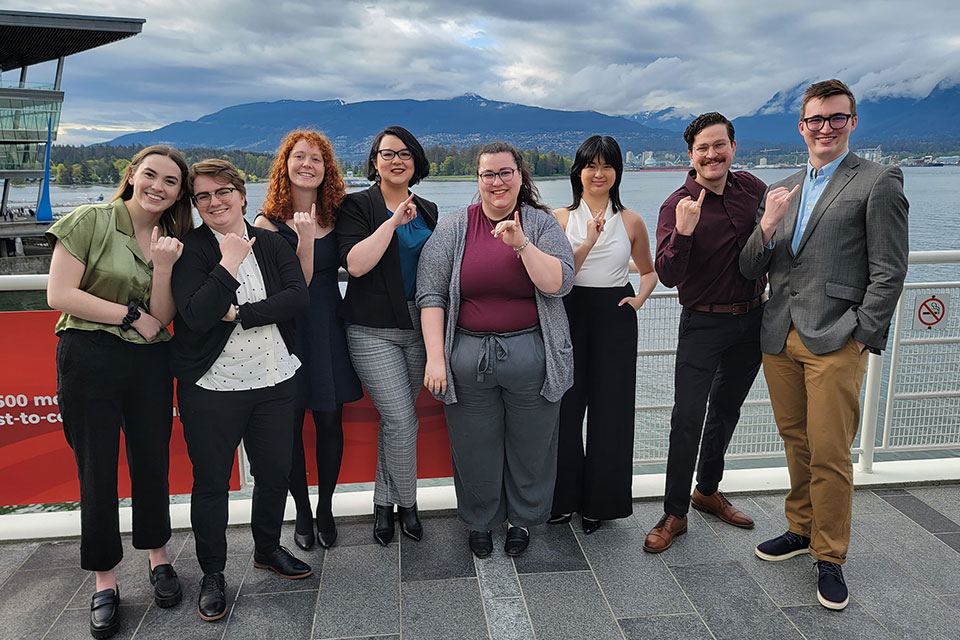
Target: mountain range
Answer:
pixel 897 123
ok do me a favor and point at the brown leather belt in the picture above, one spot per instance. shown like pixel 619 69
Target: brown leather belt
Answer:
pixel 736 309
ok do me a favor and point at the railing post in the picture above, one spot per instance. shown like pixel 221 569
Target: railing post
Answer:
pixel 871 409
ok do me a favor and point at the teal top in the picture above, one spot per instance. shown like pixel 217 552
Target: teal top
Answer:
pixel 411 238
pixel 101 237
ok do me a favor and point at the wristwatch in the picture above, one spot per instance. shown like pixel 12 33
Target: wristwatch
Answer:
pixel 236 314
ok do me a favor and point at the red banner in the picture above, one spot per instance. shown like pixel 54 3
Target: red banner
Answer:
pixel 37 465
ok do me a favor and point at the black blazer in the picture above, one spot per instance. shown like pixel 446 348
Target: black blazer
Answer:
pixel 203 292
pixel 375 299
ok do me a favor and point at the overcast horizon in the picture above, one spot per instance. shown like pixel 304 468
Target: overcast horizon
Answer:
pixel 617 57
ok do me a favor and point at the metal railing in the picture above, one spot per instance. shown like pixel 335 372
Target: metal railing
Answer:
pixel 912 391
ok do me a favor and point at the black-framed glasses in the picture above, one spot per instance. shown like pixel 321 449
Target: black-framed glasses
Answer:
pixel 388 154
pixel 506 175
pixel 223 194
pixel 837 121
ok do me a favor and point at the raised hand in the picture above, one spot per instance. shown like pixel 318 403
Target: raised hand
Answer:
pixel 234 249
pixel 778 200
pixel 147 326
pixel 595 227
pixel 510 232
pixel 305 224
pixel 165 250
pixel 688 214
pixel 404 213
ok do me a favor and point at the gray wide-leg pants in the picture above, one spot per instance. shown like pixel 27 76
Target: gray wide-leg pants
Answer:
pixel 503 433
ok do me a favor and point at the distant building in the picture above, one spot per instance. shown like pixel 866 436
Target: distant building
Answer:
pixel 873 155
pixel 763 162
pixel 28 39
pixel 647 155
pixel 629 158
pixel 948 159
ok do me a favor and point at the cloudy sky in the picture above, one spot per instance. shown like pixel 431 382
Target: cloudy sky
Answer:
pixel 194 57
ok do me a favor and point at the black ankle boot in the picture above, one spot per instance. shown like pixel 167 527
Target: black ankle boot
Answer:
pixel 410 522
pixel 383 527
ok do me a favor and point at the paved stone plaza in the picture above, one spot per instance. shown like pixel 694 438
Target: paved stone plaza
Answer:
pixel 903 571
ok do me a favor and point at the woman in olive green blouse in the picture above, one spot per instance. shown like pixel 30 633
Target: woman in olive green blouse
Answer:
pixel 110 278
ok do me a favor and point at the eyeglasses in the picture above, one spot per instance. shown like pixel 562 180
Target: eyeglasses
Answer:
pixel 837 121
pixel 718 147
pixel 223 194
pixel 388 154
pixel 489 177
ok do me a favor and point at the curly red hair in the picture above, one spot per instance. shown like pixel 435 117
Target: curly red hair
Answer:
pixel 278 205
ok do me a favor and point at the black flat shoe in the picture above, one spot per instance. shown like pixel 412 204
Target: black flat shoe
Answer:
pixel 517 541
pixel 590 525
pixel 212 602
pixel 327 539
pixel 303 540
pixel 105 613
pixel 283 563
pixel 166 586
pixel 559 518
pixel 481 543
pixel 410 524
pixel 383 527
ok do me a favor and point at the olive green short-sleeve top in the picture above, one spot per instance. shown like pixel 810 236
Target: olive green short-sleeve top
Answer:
pixel 101 237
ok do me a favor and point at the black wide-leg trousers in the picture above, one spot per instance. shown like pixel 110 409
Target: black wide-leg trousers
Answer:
pixel 718 357
pixel 597 482
pixel 105 384
pixel 214 423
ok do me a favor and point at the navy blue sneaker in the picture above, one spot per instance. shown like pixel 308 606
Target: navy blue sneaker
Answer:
pixel 831 588
pixel 782 547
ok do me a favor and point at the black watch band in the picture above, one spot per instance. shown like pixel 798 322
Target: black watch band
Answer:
pixel 133 314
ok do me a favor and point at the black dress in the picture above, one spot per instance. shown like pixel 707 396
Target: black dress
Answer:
pixel 326 377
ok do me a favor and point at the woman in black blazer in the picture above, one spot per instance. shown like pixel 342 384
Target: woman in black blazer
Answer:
pixel 381 232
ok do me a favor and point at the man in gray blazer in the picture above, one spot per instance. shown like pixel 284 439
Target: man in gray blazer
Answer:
pixel 833 239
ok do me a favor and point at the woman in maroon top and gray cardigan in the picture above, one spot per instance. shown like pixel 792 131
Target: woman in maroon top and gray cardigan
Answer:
pixel 489 287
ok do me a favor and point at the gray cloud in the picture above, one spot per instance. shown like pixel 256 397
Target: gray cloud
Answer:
pixel 621 56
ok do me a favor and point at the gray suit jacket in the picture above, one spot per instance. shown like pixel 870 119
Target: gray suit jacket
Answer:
pixel 849 267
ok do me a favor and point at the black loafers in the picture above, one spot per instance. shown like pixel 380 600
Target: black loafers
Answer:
pixel 517 541
pixel 410 524
pixel 283 563
pixel 383 527
pixel 481 543
pixel 166 586
pixel 590 525
pixel 212 603
pixel 105 613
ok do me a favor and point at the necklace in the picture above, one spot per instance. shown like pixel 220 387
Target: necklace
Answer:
pixel 493 225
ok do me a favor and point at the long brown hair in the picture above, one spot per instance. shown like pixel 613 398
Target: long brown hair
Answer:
pixel 177 220
pixel 278 205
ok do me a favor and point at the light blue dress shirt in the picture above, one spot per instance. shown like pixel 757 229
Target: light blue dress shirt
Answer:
pixel 813 185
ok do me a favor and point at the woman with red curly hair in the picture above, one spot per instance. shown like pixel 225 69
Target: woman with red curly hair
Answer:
pixel 305 192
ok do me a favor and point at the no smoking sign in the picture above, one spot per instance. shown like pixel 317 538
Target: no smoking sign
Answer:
pixel 930 311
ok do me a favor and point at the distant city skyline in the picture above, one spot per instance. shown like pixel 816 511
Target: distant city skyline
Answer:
pixel 617 57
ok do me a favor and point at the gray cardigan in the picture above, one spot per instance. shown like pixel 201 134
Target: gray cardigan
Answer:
pixel 438 285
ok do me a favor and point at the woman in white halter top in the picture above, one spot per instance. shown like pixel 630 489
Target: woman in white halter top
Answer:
pixel 602 310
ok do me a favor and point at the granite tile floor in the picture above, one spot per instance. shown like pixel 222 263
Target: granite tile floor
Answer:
pixel 903 571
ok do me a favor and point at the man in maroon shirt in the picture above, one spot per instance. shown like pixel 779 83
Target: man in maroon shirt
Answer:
pixel 703 226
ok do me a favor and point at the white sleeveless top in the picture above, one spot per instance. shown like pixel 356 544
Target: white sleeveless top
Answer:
pixel 608 263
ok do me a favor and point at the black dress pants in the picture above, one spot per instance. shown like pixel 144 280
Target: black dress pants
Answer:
pixel 598 482
pixel 214 423
pixel 718 357
pixel 105 384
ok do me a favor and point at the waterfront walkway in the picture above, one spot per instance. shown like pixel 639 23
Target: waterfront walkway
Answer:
pixel 903 571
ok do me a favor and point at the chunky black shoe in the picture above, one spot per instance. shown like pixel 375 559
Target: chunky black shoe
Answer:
pixel 831 587
pixel 481 543
pixel 559 518
pixel 590 525
pixel 782 547
pixel 283 563
pixel 517 540
pixel 212 603
pixel 410 522
pixel 105 613
pixel 383 527
pixel 166 586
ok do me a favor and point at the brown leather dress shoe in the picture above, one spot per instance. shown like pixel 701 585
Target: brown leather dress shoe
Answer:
pixel 661 536
pixel 719 506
